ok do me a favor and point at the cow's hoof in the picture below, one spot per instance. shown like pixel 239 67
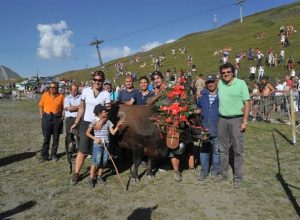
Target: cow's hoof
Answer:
pixel 135 180
pixel 150 176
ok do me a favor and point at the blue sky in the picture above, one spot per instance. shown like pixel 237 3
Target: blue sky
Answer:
pixel 53 36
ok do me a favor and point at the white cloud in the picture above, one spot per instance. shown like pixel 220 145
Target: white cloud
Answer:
pixel 111 53
pixel 149 46
pixel 54 40
pixel 170 41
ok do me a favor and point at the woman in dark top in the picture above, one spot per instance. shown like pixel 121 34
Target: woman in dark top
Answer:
pixel 144 94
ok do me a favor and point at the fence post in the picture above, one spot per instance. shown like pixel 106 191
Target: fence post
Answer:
pixel 292 117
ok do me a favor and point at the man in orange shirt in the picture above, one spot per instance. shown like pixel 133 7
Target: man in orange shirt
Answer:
pixel 51 113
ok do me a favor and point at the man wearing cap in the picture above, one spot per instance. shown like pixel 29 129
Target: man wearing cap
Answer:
pixel 234 107
pixel 107 86
pixel 208 103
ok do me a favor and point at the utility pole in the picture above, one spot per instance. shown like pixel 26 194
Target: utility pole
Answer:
pixel 97 42
pixel 215 21
pixel 240 2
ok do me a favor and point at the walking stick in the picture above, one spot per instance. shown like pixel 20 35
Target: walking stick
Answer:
pixel 116 169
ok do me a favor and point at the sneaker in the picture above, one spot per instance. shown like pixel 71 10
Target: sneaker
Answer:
pixel 177 176
pixel 236 184
pixel 89 156
pixel 42 160
pixel 220 178
pixel 100 180
pixel 143 164
pixel 162 170
pixel 91 182
pixel 201 178
pixel 192 172
pixel 54 158
pixel 75 178
pixel 213 176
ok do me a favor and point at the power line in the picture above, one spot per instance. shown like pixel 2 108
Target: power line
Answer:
pixel 166 23
pixel 80 45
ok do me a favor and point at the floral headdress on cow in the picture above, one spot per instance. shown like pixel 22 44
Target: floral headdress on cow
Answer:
pixel 175 106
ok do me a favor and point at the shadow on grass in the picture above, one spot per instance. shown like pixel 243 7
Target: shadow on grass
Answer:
pixel 282 135
pixel 18 209
pixel 282 181
pixel 15 158
pixel 142 213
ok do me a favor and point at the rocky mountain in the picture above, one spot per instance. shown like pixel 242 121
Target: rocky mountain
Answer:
pixel 7 74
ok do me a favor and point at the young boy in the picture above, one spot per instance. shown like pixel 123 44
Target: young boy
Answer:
pixel 101 138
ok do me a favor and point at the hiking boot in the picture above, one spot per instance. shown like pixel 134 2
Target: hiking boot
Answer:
pixel 236 184
pixel 91 182
pixel 177 176
pixel 220 178
pixel 75 178
pixel 100 180
pixel 201 178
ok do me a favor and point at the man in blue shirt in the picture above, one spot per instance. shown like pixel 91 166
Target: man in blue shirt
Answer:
pixel 208 103
pixel 129 94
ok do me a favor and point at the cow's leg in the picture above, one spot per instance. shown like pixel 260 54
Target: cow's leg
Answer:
pixel 149 172
pixel 137 159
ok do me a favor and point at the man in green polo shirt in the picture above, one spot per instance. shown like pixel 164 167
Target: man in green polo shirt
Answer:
pixel 234 107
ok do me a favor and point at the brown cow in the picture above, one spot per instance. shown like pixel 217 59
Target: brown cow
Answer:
pixel 138 133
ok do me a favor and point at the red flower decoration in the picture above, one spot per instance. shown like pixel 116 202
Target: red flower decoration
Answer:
pixel 169 120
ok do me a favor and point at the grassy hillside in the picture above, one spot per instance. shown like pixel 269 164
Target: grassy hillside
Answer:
pixel 239 36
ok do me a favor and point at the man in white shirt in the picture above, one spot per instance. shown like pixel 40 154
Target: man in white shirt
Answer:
pixel 279 96
pixel 282 56
pixel 71 105
pixel 252 72
pixel 261 72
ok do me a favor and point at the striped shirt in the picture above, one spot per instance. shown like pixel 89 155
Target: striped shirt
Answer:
pixel 104 132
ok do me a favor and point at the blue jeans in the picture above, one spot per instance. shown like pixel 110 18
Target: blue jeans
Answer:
pixel 210 148
pixel 100 155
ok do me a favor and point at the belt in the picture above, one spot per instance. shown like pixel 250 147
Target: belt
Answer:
pixel 232 116
pixel 52 115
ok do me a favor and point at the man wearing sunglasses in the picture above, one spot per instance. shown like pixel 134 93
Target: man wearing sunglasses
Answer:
pixel 51 113
pixel 234 107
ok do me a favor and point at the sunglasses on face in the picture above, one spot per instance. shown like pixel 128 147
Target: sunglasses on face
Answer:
pixel 98 80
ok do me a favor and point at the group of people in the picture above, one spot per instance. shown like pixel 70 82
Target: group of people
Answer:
pixel 267 98
pixel 223 104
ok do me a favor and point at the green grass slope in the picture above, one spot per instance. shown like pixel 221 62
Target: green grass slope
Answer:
pixel 239 36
